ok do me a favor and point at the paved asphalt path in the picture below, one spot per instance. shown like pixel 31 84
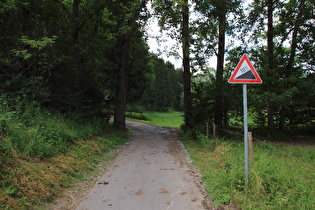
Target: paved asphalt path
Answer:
pixel 151 173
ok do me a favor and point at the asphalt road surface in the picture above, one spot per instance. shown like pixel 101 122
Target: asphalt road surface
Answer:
pixel 152 172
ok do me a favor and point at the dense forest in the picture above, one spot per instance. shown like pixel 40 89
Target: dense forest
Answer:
pixel 278 36
pixel 92 58
pixel 77 56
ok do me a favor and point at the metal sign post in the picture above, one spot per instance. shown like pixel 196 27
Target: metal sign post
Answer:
pixel 245 133
pixel 245 73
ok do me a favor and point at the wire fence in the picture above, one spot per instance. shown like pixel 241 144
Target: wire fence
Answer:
pixel 264 142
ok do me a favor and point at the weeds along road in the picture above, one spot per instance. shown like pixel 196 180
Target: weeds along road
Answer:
pixel 151 173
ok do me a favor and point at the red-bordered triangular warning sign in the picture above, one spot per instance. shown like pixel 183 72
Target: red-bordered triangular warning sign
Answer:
pixel 245 72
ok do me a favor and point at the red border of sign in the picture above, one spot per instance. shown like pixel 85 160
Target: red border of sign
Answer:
pixel 255 81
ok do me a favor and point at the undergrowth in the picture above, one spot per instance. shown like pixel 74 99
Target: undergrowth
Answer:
pixel 42 152
pixel 28 182
pixel 281 177
pixel 41 133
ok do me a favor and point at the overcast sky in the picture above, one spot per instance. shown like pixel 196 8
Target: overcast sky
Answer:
pixel 166 44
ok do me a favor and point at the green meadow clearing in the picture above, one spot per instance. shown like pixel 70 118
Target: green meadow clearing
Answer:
pixel 165 119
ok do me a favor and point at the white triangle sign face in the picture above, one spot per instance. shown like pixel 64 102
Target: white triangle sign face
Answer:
pixel 245 72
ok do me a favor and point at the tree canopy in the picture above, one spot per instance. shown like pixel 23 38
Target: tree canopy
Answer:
pixel 79 55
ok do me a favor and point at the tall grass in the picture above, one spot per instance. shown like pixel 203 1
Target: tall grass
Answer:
pixel 282 176
pixel 41 133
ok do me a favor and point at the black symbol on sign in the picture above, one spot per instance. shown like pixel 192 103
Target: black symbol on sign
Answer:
pixel 246 75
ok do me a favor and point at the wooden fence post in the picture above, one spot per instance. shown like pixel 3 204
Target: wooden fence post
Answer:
pixel 207 130
pixel 250 147
pixel 214 136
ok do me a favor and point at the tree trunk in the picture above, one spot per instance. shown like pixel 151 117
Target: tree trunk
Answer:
pixel 294 39
pixel 291 59
pixel 186 66
pixel 270 72
pixel 77 54
pixel 121 86
pixel 219 94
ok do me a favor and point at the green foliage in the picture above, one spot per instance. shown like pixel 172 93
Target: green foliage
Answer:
pixel 37 45
pixel 282 176
pixel 140 74
pixel 65 54
pixel 165 91
pixel 203 98
pixel 40 133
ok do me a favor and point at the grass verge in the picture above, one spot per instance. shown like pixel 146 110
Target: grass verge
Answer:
pixel 282 176
pixel 28 182
pixel 43 152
